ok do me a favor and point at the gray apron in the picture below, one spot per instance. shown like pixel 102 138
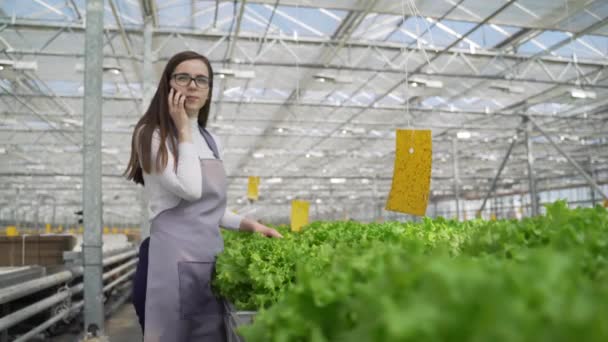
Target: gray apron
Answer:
pixel 184 241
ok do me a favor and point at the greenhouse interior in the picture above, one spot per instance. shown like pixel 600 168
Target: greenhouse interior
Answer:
pixel 401 170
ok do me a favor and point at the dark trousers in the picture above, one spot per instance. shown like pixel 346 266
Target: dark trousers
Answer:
pixel 140 283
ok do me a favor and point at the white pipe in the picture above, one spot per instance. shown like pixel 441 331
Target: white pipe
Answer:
pixel 48 323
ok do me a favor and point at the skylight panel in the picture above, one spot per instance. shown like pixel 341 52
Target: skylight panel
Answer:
pixel 488 36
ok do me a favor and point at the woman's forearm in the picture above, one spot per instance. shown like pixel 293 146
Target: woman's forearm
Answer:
pixel 248 225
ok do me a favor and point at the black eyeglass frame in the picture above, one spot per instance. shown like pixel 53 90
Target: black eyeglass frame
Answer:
pixel 204 86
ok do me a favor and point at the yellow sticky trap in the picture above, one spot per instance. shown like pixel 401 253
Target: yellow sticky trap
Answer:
pixel 60 229
pixel 48 229
pixel 492 217
pixel 80 230
pixel 252 188
pixel 114 230
pixel 11 231
pixel 106 230
pixel 412 172
pixel 299 214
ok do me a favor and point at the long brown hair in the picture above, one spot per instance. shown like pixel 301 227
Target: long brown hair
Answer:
pixel 157 116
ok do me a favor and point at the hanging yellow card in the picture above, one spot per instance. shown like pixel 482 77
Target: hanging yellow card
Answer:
pixel 412 173
pixel 12 231
pixel 299 214
pixel 252 188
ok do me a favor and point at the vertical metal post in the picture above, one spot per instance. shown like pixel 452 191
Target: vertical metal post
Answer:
pixel 495 180
pixel 37 213
pixel 16 207
pixel 531 180
pixel 591 189
pixel 378 204
pixel 91 190
pixel 148 93
pixel 456 179
pixel 572 162
pixel 54 210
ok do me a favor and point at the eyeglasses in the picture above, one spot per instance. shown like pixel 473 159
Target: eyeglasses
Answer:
pixel 185 79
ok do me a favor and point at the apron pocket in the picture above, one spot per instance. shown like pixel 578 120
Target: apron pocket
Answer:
pixel 195 295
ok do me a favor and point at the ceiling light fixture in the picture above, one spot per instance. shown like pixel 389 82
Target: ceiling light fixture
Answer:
pixel 507 88
pixel 242 74
pixel 578 93
pixel 463 135
pixel 18 65
pixel 323 77
pixel 425 83
pixel 113 69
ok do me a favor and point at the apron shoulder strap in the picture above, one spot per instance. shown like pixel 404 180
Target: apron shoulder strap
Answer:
pixel 210 142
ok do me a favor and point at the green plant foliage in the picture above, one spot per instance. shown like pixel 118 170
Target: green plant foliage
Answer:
pixel 539 279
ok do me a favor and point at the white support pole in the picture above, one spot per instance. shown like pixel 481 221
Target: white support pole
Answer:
pixel 91 190
pixel 148 93
pixel 531 179
pixel 593 176
pixel 456 179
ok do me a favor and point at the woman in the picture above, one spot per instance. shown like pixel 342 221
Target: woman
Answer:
pixel 179 163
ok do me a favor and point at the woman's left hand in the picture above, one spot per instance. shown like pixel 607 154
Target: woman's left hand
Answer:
pixel 267 231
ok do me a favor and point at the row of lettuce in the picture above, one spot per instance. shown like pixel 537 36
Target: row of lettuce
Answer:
pixel 538 279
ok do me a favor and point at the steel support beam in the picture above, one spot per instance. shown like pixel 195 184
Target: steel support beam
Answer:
pixel 572 162
pixel 148 92
pixel 593 175
pixel 531 178
pixel 495 180
pixel 92 198
pixel 456 179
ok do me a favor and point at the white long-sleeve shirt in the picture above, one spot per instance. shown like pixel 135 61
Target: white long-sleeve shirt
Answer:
pixel 164 190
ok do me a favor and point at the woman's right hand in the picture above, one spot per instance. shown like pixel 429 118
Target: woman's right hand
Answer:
pixel 177 109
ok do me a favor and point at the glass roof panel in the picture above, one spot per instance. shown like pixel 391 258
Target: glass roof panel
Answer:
pixel 377 26
pixel 47 10
pixel 419 27
pixel 256 19
pixel 130 12
pixel 588 47
pixel 305 21
pixel 179 14
pixel 488 36
pixel 542 42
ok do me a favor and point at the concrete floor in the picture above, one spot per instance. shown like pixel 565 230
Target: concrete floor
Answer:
pixel 121 327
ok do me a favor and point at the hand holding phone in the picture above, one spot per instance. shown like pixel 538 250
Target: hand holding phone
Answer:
pixel 177 109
